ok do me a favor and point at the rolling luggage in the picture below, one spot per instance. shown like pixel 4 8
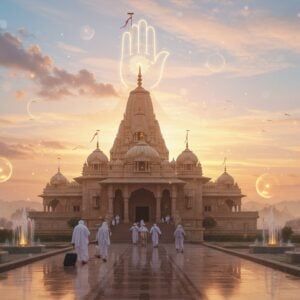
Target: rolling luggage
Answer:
pixel 70 259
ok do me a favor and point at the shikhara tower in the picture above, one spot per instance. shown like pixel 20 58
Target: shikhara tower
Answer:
pixel 139 182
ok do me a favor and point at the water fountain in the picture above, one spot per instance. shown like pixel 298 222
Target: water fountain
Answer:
pixel 23 236
pixel 271 242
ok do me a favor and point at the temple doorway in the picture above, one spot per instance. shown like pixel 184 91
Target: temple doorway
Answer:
pixel 142 206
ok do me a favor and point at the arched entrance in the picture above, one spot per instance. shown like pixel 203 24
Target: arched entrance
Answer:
pixel 142 206
pixel 165 208
pixel 119 204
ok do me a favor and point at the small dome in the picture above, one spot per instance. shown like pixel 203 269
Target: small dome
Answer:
pixel 142 149
pixel 225 179
pixel 58 179
pixel 97 157
pixel 187 157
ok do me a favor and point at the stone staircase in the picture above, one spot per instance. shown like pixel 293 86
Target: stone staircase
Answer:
pixel 121 233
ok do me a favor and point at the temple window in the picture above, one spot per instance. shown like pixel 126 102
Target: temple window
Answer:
pixel 188 202
pixel 188 167
pixel 96 201
pixel 76 208
pixel 139 136
pixel 207 208
pixel 142 166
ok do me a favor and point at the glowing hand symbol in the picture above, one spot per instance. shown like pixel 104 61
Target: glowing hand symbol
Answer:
pixel 139 49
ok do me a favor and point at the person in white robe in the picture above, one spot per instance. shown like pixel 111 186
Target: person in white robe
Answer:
pixel 103 239
pixel 117 219
pixel 143 230
pixel 155 233
pixel 179 235
pixel 80 240
pixel 142 223
pixel 135 233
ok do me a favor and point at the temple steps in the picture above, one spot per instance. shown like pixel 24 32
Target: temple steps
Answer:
pixel 121 233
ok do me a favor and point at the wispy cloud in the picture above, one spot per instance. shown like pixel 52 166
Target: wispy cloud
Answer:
pixel 70 48
pixel 54 82
pixel 247 46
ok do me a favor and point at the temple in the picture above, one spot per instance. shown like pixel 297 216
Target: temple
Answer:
pixel 140 182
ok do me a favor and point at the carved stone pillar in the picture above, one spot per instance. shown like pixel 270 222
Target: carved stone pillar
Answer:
pixel 174 199
pixel 110 201
pixel 126 211
pixel 158 212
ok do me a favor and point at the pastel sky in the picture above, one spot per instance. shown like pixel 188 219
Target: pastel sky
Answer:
pixel 231 78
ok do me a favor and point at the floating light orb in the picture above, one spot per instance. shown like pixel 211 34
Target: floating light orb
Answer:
pixel 87 32
pixel 30 113
pixel 216 62
pixel 3 24
pixel 266 185
pixel 6 169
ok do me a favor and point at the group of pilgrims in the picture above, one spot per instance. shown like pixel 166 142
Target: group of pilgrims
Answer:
pixel 139 234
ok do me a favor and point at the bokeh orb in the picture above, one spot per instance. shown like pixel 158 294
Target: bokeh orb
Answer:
pixel 215 62
pixel 6 169
pixel 87 32
pixel 3 24
pixel 266 185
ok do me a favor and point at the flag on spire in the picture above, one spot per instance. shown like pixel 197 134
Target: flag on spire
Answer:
pixel 96 134
pixel 187 139
pixel 128 19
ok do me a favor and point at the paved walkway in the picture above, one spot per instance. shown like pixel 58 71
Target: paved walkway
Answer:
pixel 146 273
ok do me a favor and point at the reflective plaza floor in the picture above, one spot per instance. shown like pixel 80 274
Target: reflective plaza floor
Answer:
pixel 134 272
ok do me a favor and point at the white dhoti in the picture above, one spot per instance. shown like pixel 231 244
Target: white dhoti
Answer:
pixel 80 239
pixel 155 232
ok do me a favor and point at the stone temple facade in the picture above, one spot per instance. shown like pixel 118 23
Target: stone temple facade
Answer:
pixel 139 182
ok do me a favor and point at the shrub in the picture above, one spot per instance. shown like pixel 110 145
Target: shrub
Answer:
pixel 5 234
pixel 286 233
pixel 73 222
pixel 209 223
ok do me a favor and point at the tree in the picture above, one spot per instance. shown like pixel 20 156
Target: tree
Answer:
pixel 73 222
pixel 209 223
pixel 286 233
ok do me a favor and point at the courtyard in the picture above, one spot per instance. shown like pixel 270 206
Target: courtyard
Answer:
pixel 134 272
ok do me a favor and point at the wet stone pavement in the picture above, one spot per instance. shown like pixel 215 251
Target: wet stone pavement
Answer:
pixel 134 272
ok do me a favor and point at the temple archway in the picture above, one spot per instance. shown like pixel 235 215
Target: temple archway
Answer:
pixel 165 206
pixel 119 204
pixel 142 206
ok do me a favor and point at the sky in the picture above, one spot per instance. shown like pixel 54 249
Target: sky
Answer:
pixel 228 71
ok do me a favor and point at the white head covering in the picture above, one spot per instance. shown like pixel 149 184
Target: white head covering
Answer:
pixel 81 222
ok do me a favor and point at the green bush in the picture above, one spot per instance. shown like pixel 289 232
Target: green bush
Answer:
pixel 209 223
pixel 286 233
pixel 5 234
pixel 73 222
pixel 54 238
pixel 229 238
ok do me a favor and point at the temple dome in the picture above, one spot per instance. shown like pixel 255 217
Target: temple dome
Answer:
pixel 97 157
pixel 187 157
pixel 225 179
pixel 142 149
pixel 58 179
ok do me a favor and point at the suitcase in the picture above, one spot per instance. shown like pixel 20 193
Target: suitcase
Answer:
pixel 70 259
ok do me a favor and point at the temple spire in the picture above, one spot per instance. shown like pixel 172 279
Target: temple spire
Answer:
pixel 139 81
pixel 58 164
pixel 187 139
pixel 96 134
pixel 225 164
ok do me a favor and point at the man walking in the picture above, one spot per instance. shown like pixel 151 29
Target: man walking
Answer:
pixel 80 240
pixel 179 235
pixel 103 239
pixel 155 233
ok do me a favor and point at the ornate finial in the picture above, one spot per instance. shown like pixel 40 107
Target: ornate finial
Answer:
pixel 139 81
pixel 187 139
pixel 58 164
pixel 225 165
pixel 96 134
